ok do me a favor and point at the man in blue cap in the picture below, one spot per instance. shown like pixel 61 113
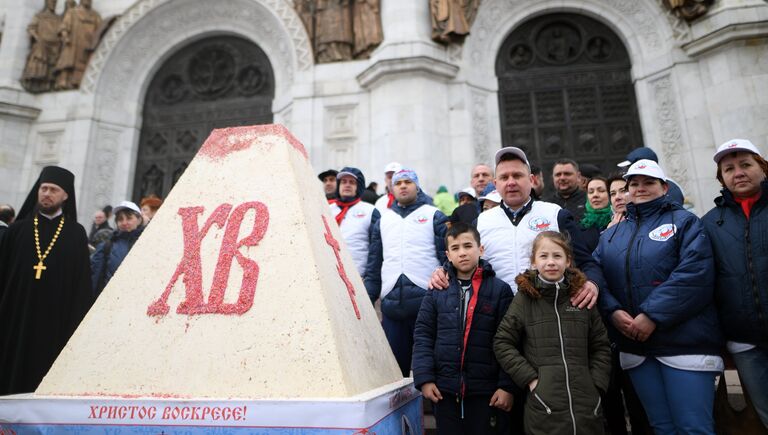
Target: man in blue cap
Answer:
pixel 407 244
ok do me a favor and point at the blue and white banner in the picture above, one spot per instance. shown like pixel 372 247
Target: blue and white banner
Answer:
pixel 394 412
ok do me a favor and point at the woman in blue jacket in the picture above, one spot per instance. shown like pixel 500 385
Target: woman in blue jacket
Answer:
pixel 738 226
pixel 111 253
pixel 658 268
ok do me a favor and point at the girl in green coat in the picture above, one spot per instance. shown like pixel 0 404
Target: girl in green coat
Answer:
pixel 565 361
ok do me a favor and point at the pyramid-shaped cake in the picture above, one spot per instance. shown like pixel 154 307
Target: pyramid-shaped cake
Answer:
pixel 241 287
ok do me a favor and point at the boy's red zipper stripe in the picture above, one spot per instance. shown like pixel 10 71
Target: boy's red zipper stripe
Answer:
pixel 477 279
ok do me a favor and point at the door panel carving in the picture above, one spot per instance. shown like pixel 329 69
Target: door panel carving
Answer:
pixel 213 83
pixel 565 90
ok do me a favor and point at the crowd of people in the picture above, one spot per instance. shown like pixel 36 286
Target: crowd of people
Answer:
pixel 522 310
pixel 515 308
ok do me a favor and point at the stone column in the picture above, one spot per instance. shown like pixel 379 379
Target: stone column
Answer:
pixel 405 21
pixel 408 80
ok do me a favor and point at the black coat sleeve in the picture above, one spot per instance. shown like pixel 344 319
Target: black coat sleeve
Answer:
pixel 581 256
pixel 440 220
pixel 372 278
pixel 424 336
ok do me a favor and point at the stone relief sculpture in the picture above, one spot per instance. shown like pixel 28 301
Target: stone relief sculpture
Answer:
pixel 341 29
pixel 366 24
pixel 44 51
pixel 688 10
pixel 333 37
pixel 61 45
pixel 451 19
pixel 77 31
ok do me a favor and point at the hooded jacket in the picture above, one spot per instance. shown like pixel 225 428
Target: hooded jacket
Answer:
pixel 566 348
pixel 659 262
pixel 444 201
pixel 358 220
pixel 439 336
pixel 404 300
pixel 741 264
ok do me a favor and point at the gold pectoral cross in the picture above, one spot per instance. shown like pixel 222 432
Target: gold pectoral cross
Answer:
pixel 39 269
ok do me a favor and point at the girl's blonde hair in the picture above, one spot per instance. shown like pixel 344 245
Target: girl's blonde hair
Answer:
pixel 555 237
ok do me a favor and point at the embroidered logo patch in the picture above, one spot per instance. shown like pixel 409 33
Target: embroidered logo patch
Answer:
pixel 359 214
pixel 663 233
pixel 539 224
pixel 422 219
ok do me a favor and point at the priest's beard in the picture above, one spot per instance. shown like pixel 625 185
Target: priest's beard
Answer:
pixel 50 209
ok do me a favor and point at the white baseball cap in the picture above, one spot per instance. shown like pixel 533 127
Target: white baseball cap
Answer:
pixel 646 167
pixel 126 205
pixel 492 196
pixel 393 167
pixel 517 152
pixel 468 191
pixel 734 145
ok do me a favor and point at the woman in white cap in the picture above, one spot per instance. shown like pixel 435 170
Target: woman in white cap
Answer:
pixel 660 277
pixel 738 226
pixel 111 253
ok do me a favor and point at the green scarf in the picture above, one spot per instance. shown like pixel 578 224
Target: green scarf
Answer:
pixel 596 218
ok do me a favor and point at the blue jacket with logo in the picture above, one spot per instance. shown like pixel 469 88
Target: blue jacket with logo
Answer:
pixel 404 300
pixel 741 265
pixel 659 262
pixel 109 255
pixel 438 338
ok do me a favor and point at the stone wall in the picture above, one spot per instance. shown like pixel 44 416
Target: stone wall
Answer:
pixel 426 105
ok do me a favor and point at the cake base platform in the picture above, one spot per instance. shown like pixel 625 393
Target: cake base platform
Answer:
pixel 394 409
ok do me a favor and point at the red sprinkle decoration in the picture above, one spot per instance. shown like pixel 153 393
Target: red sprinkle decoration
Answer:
pixel 190 264
pixel 224 141
pixel 333 243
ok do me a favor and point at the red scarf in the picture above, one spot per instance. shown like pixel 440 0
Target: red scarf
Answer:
pixel 477 279
pixel 345 206
pixel 390 200
pixel 747 203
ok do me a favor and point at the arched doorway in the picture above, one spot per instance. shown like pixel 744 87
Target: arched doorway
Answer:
pixel 565 90
pixel 217 82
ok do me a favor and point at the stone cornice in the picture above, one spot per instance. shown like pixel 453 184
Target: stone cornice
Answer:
pixel 12 103
pixel 722 36
pixel 726 26
pixel 385 68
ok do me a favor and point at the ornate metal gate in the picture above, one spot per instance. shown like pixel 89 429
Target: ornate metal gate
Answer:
pixel 565 90
pixel 217 82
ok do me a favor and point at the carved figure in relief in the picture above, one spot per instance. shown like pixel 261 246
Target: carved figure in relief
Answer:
pixel 45 46
pixel 341 29
pixel 78 28
pixel 688 10
pixel 366 24
pixel 333 38
pixel 451 19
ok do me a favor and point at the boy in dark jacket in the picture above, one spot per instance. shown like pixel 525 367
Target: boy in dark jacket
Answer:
pixel 453 361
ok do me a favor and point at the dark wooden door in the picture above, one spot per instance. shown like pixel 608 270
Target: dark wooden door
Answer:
pixel 565 90
pixel 213 83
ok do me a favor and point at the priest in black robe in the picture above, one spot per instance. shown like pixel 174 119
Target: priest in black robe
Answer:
pixel 42 297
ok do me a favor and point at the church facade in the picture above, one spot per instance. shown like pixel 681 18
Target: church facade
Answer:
pixel 586 79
